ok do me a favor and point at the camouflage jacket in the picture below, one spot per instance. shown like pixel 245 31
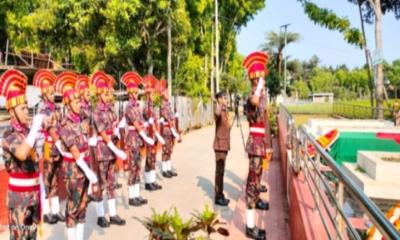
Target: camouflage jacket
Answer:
pixel 86 115
pixel 72 135
pixel 51 110
pixel 104 120
pixel 148 112
pixel 168 115
pixel 256 145
pixel 133 114
pixel 13 136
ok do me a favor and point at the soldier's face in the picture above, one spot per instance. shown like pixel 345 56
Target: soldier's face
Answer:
pixel 223 100
pixel 86 95
pixel 75 106
pixel 50 95
pixel 21 113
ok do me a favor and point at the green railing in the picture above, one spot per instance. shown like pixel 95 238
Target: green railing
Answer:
pixel 338 109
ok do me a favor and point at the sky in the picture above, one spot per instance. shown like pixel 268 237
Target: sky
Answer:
pixel 328 45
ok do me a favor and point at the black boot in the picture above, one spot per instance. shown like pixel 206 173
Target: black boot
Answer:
pixel 50 219
pixel 60 217
pixel 135 202
pixel 150 187
pixel 102 222
pixel 143 201
pixel 166 174
pixel 255 233
pixel 117 220
pixel 263 189
pixel 221 201
pixel 262 205
pixel 173 173
pixel 157 186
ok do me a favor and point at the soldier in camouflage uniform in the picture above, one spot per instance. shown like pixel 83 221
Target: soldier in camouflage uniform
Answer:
pixel 134 137
pixel 106 151
pixel 25 186
pixel 77 174
pixel 149 114
pixel 168 130
pixel 256 144
pixel 44 79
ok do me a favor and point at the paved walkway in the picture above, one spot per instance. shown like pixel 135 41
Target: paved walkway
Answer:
pixel 192 190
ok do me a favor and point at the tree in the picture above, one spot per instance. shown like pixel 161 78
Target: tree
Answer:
pixel 301 89
pixel 275 43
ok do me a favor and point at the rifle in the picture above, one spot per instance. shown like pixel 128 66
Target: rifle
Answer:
pixel 92 154
pixel 149 115
pixel 177 118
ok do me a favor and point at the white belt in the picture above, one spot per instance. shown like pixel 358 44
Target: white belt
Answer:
pixel 131 128
pixel 257 130
pixel 21 182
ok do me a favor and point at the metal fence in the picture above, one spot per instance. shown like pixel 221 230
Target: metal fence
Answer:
pixel 339 109
pixel 328 184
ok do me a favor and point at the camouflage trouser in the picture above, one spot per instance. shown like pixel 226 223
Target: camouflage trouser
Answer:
pixel 51 171
pixel 23 222
pixel 134 161
pixel 77 200
pixel 167 147
pixel 151 152
pixel 106 176
pixel 253 181
pixel 220 157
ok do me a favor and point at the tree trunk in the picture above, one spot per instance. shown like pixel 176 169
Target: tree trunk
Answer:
pixel 149 61
pixel 280 63
pixel 169 58
pixel 379 68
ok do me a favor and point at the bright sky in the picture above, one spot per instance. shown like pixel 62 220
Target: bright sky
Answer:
pixel 328 45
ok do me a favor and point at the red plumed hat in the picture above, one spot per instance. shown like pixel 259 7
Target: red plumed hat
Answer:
pixel 65 85
pixel 131 80
pixel 101 81
pixel 255 64
pixel 150 82
pixel 44 79
pixel 13 87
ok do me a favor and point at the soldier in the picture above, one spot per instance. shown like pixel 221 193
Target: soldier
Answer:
pixel 77 173
pixel 106 151
pixel 150 83
pixel 134 137
pixel 221 146
pixel 44 79
pixel 256 145
pixel 25 186
pixel 82 87
pixel 168 130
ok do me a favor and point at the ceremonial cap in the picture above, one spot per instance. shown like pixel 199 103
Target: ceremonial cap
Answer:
pixel 13 86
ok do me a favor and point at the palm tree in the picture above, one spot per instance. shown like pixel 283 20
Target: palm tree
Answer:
pixel 275 43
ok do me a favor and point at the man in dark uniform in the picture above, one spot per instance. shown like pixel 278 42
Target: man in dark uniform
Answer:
pixel 106 151
pixel 77 174
pixel 44 79
pixel 150 83
pixel 134 137
pixel 168 130
pixel 256 146
pixel 221 145
pixel 25 186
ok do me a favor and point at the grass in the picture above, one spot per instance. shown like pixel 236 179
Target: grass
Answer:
pixel 300 119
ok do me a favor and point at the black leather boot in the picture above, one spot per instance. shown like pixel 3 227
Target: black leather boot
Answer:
pixel 255 233
pixel 50 219
pixel 173 173
pixel 221 201
pixel 117 220
pixel 262 205
pixel 60 217
pixel 134 202
pixel 143 201
pixel 263 189
pixel 166 174
pixel 150 187
pixel 157 186
pixel 102 222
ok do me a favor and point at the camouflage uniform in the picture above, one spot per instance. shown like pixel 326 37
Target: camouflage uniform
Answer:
pixel 133 141
pixel 23 202
pixel 86 114
pixel 151 151
pixel 166 133
pixel 52 158
pixel 255 147
pixel 75 181
pixel 105 120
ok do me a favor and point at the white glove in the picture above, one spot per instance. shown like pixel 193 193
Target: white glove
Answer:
pixel 151 121
pixel 121 154
pixel 58 145
pixel 161 120
pixel 161 139
pixel 93 141
pixel 146 138
pixel 175 134
pixel 260 86
pixel 36 126
pixel 116 133
pixel 145 124
pixel 176 115
pixel 122 123
pixel 42 190
pixel 86 170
